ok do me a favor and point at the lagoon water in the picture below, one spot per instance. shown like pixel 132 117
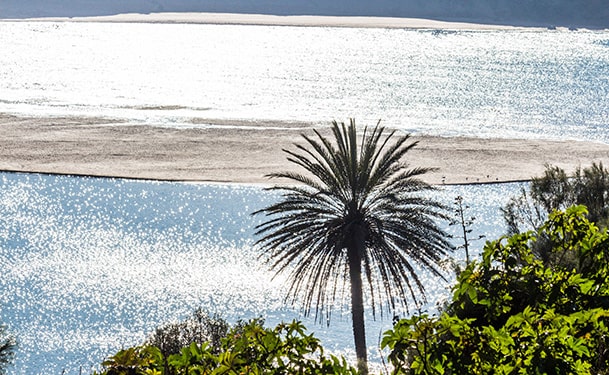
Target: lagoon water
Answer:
pixel 93 265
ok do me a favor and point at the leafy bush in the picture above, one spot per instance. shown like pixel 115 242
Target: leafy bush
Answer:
pixel 513 314
pixel 198 328
pixel 249 348
pixel 555 190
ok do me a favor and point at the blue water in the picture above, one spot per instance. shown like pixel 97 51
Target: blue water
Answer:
pixel 93 265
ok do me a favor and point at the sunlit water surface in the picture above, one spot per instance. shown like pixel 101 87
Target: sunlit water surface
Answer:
pixel 92 265
pixel 521 83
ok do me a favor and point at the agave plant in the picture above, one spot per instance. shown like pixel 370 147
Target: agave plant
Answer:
pixel 355 216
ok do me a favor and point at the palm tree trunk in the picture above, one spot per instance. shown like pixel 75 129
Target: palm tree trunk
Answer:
pixel 357 306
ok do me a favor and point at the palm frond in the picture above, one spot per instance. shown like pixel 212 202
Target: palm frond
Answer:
pixel 349 181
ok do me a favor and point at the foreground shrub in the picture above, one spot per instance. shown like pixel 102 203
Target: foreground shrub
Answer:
pixel 199 328
pixel 556 190
pixel 511 313
pixel 249 348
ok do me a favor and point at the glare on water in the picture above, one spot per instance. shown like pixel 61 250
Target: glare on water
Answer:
pixel 522 83
pixel 94 265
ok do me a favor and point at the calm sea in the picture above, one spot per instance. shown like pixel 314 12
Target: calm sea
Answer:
pixel 90 266
pixel 526 84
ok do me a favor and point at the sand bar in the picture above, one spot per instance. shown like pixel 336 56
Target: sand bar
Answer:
pixel 245 154
pixel 274 20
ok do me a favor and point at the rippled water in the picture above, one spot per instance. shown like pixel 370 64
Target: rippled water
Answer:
pixel 526 83
pixel 93 265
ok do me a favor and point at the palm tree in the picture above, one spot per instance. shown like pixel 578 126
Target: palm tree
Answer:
pixel 356 215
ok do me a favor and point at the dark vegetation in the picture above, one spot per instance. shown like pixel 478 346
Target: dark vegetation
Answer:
pixel 555 190
pixel 198 328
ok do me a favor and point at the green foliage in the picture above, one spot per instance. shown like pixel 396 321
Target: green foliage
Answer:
pixel 198 328
pixel 513 314
pixel 555 190
pixel 249 348
pixel 140 360
pixel 7 349
pixel 592 191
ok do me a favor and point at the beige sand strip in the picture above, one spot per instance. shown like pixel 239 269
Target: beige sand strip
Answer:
pixel 91 146
pixel 273 20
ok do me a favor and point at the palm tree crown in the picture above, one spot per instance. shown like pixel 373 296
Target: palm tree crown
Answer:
pixel 358 211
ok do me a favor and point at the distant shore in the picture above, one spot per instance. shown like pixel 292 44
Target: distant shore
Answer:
pixel 272 20
pixel 245 154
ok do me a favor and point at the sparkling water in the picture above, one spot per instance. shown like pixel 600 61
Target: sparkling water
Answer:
pixel 519 83
pixel 90 266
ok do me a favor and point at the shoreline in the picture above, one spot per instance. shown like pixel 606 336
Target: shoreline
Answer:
pixel 275 20
pixel 98 147
pixel 268 183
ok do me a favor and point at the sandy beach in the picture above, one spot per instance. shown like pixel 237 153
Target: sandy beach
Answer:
pixel 274 20
pixel 245 154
